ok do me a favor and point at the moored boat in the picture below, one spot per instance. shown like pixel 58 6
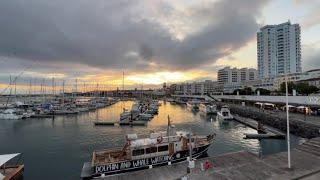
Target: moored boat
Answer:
pixel 208 108
pixel 125 115
pixel 9 171
pixel 193 105
pixel 224 114
pixel 160 148
pixel 10 114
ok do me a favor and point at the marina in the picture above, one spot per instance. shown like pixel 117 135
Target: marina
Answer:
pixel 49 139
pixel 160 90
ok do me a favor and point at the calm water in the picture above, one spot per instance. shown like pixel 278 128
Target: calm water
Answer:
pixel 56 149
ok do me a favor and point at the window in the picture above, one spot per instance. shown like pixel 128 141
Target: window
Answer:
pixel 138 152
pixel 163 148
pixel 151 150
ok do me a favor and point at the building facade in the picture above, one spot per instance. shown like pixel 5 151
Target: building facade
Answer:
pixel 234 78
pixel 279 50
pixel 195 88
pixel 310 77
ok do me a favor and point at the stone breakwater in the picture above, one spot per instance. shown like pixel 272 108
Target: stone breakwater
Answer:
pixel 299 125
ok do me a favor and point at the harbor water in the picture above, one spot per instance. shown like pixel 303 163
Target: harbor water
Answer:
pixel 57 148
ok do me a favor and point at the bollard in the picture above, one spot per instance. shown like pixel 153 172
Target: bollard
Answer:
pixel 201 166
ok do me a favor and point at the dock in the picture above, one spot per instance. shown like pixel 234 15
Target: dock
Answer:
pixel 241 165
pixel 267 131
pixel 117 123
pixel 41 116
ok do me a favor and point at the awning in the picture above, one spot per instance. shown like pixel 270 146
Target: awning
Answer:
pixel 290 106
pixel 268 104
pixel 6 157
pixel 301 107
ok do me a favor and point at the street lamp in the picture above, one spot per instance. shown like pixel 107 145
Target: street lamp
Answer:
pixel 288 124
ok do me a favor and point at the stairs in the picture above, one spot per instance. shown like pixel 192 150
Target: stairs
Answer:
pixel 312 146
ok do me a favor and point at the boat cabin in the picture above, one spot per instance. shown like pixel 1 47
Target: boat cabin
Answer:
pixel 158 144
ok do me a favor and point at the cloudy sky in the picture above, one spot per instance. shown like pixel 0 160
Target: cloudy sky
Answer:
pixel 152 41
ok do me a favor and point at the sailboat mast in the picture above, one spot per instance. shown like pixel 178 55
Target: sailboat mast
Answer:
pixel 63 83
pixel 10 82
pixel 53 93
pixel 76 87
pixel 122 85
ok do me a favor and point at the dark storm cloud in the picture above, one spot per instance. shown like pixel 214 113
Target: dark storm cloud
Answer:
pixel 114 34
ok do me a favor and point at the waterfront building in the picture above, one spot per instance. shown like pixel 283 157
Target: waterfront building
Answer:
pixel 234 78
pixel 310 77
pixel 279 50
pixel 195 88
pixel 229 75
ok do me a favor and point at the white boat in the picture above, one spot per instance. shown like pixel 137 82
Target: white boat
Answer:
pixel 160 148
pixel 145 117
pixel 193 105
pixel 125 115
pixel 208 108
pixel 224 114
pixel 10 114
pixel 135 110
pixel 28 114
pixel 10 171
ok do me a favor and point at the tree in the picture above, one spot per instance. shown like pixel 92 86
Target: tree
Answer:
pixel 291 86
pixel 304 88
pixel 301 88
pixel 244 91
pixel 263 91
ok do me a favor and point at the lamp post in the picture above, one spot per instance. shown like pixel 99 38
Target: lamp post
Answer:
pixel 288 124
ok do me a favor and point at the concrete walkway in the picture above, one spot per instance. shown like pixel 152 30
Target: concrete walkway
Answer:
pixel 242 165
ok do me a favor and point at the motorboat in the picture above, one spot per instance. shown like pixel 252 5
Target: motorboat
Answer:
pixel 208 108
pixel 145 117
pixel 224 114
pixel 125 115
pixel 193 105
pixel 158 149
pixel 10 114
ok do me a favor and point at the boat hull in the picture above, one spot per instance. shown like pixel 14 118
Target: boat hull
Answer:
pixel 134 165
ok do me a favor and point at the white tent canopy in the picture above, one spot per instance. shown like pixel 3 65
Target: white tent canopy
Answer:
pixel 290 106
pixel 6 157
pixel 301 107
pixel 268 104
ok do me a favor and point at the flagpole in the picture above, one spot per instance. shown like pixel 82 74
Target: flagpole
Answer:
pixel 288 124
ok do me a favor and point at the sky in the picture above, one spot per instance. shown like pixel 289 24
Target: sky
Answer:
pixel 151 41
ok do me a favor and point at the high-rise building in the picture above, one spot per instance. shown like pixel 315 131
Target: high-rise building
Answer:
pixel 279 50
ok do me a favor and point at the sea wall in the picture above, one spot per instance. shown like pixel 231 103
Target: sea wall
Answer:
pixel 299 127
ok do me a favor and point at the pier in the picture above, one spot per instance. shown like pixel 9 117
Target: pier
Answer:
pixel 267 132
pixel 117 123
pixel 241 165
pixel 300 125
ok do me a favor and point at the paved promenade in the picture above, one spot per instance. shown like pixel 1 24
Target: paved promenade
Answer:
pixel 242 165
